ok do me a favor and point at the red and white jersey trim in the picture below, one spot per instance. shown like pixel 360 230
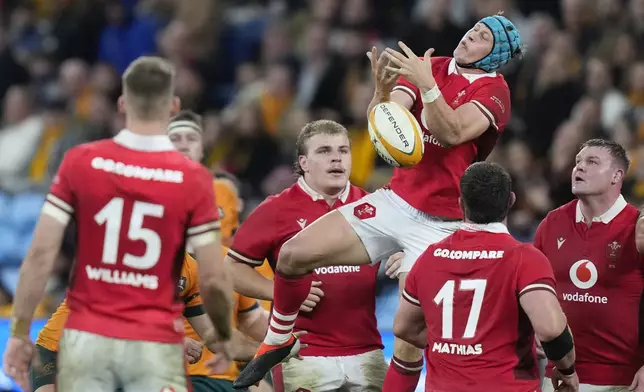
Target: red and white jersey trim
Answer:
pixel 537 286
pixel 486 113
pixel 607 216
pixel 203 234
pixel 243 259
pixel 410 298
pixel 406 90
pixel 58 209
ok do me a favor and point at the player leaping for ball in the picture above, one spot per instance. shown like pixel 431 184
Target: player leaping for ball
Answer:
pixel 463 106
pixel 136 202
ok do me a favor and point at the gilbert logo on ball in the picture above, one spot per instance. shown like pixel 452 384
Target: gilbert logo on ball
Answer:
pixel 583 274
pixel 396 134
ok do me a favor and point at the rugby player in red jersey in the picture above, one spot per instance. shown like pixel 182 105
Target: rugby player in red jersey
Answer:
pixel 475 300
pixel 136 202
pixel 344 345
pixel 463 106
pixel 591 245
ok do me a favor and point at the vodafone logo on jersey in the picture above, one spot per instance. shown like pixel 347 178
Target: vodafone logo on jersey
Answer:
pixel 583 274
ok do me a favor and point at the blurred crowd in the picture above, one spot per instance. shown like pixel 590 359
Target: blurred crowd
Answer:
pixel 259 70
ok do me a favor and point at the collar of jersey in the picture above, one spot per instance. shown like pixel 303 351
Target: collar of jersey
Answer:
pixel 607 216
pixel 496 227
pixel 147 143
pixel 316 196
pixel 471 77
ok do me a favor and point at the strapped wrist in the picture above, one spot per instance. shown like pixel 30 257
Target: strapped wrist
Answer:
pixel 20 328
pixel 431 95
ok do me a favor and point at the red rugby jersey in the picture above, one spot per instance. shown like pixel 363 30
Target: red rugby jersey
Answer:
pixel 344 321
pixel 136 202
pixel 433 185
pixel 600 283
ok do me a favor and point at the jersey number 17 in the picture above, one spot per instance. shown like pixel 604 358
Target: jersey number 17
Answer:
pixel 445 297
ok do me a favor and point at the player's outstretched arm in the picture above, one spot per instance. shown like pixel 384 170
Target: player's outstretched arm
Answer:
pixel 409 324
pixel 36 269
pixel 550 326
pixel 215 287
pixel 248 281
pixel 639 233
pixel 243 347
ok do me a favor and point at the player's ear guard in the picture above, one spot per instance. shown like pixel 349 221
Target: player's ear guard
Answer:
pixel 558 347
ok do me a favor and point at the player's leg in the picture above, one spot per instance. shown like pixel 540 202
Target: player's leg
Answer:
pixel 364 372
pixel 407 363
pixel 352 235
pixel 43 378
pixel 311 374
pixel 151 366
pixel 85 363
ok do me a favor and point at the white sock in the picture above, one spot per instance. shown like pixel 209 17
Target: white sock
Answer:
pixel 280 328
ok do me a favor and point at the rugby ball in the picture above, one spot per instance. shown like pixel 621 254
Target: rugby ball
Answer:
pixel 396 134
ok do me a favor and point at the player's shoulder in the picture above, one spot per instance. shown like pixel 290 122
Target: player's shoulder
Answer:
pixel 565 212
pixel 90 149
pixel 274 203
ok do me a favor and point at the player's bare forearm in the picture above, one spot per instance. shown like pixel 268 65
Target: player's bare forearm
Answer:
pixel 452 127
pixel 254 324
pixel 216 288
pixel 409 325
pixel 639 233
pixel 248 282
pixel 37 267
pixel 204 328
pixel 245 348
pixel 217 301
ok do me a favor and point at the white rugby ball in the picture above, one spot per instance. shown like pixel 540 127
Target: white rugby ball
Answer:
pixel 396 134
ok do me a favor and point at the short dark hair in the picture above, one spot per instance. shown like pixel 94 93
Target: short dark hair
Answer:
pixel 148 84
pixel 486 189
pixel 616 151
pixel 188 115
pixel 326 127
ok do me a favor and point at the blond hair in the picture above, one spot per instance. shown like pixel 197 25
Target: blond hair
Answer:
pixel 148 87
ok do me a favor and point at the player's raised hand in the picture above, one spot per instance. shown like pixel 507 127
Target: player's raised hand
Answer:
pixel 315 295
pixel 385 79
pixel 562 383
pixel 393 264
pixel 417 71
pixel 18 354
pixel 193 350
pixel 638 381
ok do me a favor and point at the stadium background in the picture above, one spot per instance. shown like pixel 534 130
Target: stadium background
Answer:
pixel 259 70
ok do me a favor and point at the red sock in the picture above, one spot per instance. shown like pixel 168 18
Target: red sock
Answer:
pixel 289 293
pixel 402 376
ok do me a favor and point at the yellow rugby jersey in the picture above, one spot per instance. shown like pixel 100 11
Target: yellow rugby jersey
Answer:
pixel 228 204
pixel 266 271
pixel 241 305
pixel 50 334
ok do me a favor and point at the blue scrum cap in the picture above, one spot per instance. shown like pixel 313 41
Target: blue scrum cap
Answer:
pixel 507 43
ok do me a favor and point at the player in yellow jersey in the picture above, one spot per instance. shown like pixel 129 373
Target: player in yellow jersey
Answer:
pixel 43 378
pixel 185 131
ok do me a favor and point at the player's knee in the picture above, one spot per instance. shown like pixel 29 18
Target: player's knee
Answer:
pixel 293 258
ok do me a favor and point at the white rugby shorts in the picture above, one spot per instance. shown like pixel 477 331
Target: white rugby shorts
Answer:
pixel 90 362
pixel 354 373
pixel 387 224
pixel 547 387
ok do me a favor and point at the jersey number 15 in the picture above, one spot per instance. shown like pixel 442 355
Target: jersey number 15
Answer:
pixel 112 217
pixel 445 296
